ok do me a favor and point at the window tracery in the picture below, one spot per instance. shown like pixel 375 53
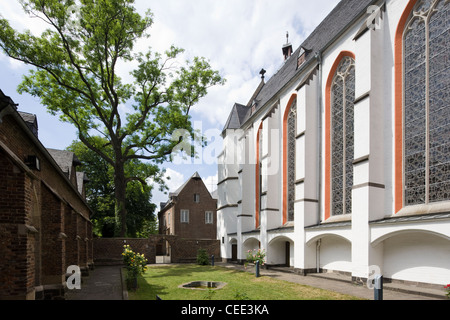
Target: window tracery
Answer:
pixel 292 130
pixel 342 141
pixel 426 69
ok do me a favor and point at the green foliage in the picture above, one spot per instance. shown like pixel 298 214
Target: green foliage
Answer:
pixel 100 194
pixel 135 263
pixel 202 257
pixel 164 281
pixel 75 77
pixel 210 294
pixel 241 296
pixel 256 255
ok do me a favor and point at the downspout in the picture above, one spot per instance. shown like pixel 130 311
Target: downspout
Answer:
pixel 318 57
pixel 318 243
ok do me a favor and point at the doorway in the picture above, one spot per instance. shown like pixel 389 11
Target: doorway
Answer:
pixel 234 252
pixel 288 254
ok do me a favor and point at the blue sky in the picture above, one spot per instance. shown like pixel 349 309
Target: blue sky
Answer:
pixel 238 37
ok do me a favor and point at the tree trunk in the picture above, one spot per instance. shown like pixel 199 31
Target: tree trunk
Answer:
pixel 120 195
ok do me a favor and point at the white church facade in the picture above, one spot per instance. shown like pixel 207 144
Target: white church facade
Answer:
pixel 340 162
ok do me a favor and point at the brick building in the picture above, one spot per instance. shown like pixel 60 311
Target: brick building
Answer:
pixel 190 212
pixel 44 218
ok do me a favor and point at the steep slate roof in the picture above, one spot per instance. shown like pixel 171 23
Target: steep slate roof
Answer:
pixel 65 160
pixel 31 121
pixel 177 192
pixel 164 205
pixel 237 115
pixel 82 179
pixel 6 101
pixel 331 27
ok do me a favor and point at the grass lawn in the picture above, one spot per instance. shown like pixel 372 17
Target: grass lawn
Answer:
pixel 164 281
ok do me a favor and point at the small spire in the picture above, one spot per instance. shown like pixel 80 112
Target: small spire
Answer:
pixel 287 48
pixel 262 73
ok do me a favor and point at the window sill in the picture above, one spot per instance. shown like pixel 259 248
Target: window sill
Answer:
pixel 338 218
pixel 420 209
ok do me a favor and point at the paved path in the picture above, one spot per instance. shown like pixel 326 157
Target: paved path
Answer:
pixel 342 284
pixel 105 283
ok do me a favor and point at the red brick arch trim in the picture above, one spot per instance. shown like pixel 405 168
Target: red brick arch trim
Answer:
pixel 399 105
pixel 257 182
pixel 285 147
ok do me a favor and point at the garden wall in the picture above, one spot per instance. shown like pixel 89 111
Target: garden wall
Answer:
pixel 108 251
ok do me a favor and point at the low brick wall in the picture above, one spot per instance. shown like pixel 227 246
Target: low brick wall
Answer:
pixel 108 251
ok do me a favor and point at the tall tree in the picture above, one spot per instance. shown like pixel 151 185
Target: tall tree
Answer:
pixel 75 76
pixel 100 192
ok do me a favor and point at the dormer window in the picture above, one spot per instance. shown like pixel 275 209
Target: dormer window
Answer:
pixel 301 57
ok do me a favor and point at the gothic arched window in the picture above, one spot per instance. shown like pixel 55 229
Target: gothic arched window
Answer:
pixel 426 103
pixel 342 136
pixel 291 130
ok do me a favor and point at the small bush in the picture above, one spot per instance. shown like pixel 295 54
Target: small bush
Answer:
pixel 210 294
pixel 202 257
pixel 136 265
pixel 256 255
pixel 241 296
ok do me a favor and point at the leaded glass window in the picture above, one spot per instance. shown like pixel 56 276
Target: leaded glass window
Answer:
pixel 342 141
pixel 260 175
pixel 426 43
pixel 292 130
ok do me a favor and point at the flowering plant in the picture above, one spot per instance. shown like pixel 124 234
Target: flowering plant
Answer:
pixel 134 262
pixel 447 288
pixel 256 255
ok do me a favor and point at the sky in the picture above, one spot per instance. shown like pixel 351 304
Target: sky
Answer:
pixel 237 37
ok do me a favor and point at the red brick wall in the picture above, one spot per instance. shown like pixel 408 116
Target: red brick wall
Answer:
pixel 20 144
pixel 16 244
pixel 109 251
pixel 53 241
pixel 44 222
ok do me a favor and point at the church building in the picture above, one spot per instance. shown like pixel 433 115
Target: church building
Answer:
pixel 340 162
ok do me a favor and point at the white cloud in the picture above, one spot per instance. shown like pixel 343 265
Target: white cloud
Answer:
pixel 177 179
pixel 238 37
pixel 211 183
pixel 13 12
pixel 173 180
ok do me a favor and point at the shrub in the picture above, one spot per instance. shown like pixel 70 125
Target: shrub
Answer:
pixel 256 255
pixel 241 296
pixel 135 263
pixel 202 257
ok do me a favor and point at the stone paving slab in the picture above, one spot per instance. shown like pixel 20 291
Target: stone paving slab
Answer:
pixel 103 283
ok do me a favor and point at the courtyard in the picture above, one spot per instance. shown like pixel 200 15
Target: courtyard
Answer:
pixel 106 283
pixel 164 281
